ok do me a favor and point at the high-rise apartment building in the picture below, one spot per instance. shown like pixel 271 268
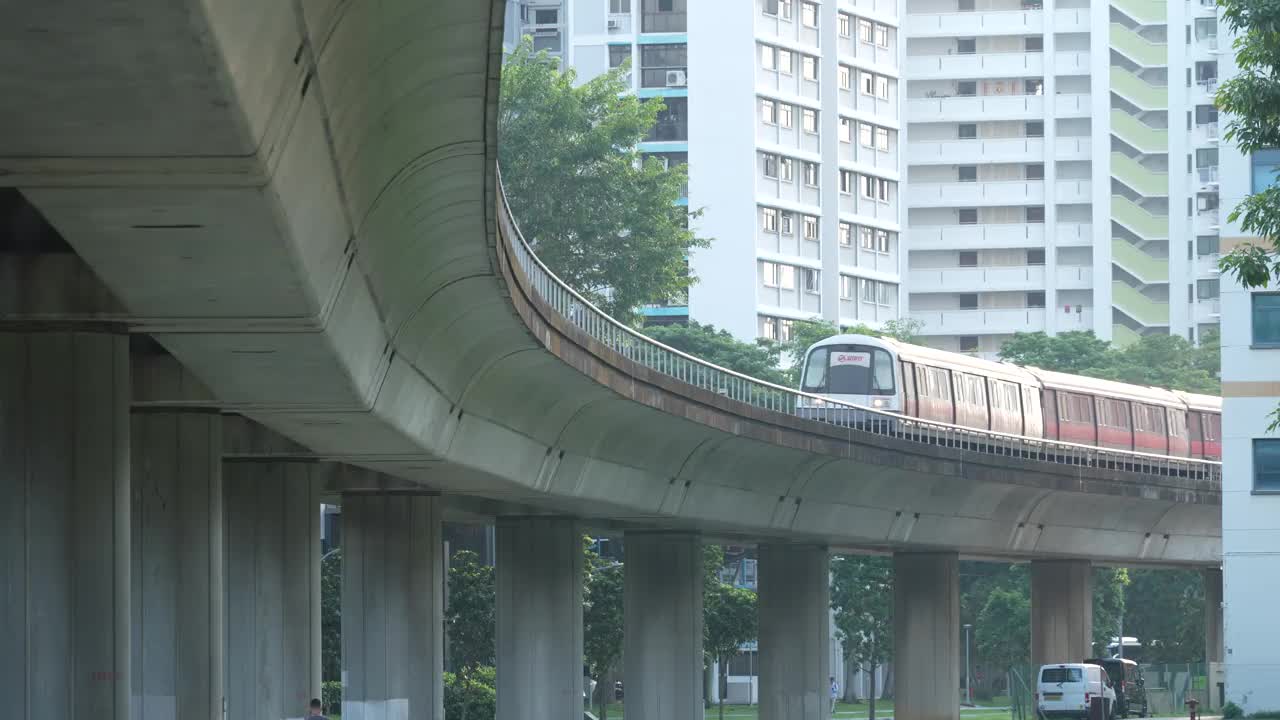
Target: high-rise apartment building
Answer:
pixel 983 166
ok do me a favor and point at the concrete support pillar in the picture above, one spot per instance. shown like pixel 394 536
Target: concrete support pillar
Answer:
pixel 662 637
pixel 272 576
pixel 1061 611
pixel 1214 650
pixel 177 595
pixel 392 607
pixel 795 632
pixel 539 608
pixel 64 524
pixel 926 630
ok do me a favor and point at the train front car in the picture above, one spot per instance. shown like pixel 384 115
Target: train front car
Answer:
pixel 854 370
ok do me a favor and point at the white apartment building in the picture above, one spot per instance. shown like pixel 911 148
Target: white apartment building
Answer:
pixel 983 166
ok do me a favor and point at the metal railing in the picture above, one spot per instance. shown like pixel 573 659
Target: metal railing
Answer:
pixel 575 310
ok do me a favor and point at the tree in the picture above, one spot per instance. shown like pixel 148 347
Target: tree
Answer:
pixel 469 619
pixel 1078 352
pixel 718 347
pixel 1158 360
pixel 728 617
pixel 1251 100
pixel 602 621
pixel 1167 361
pixel 599 215
pixel 1002 633
pixel 1108 604
pixel 862 600
pixel 331 615
pixel 1164 609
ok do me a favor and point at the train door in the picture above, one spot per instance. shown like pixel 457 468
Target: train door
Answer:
pixel 1076 420
pixel 1115 424
pixel 1195 433
pixel 1179 441
pixel 909 389
pixel 1032 418
pixel 1049 413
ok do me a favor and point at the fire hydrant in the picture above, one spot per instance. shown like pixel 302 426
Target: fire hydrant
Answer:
pixel 1193 705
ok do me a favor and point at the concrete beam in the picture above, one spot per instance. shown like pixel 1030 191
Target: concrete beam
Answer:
pixel 392 607
pixel 178 594
pixel 272 554
pixel 64 524
pixel 926 629
pixel 539 627
pixel 795 632
pixel 662 611
pixel 1061 611
pixel 1215 651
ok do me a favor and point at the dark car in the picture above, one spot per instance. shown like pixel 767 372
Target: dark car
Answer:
pixel 1131 687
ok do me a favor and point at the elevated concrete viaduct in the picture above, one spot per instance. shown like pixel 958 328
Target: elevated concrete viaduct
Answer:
pixel 256 252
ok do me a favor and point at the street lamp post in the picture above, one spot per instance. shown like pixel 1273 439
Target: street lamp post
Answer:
pixel 968 679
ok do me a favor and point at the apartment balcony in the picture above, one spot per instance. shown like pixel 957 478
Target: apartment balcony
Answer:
pixel 994 150
pixel 996 236
pixel 971 194
pixel 1207 311
pixel 1138 219
pixel 1137 48
pixel 1138 177
pixel 1073 148
pixel 979 322
pixel 999 22
pixel 1071 20
pixel 1206 266
pixel 1136 262
pixel 1072 191
pixel 1205 179
pixel 1205 134
pixel 1074 277
pixel 980 279
pixel 1139 91
pixel 1005 107
pixel 984 65
pixel 1145 12
pixel 1071 63
pixel 1151 313
pixel 1145 138
pixel 1203 92
pixel 1206 222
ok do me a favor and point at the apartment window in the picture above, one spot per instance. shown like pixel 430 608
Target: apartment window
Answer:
pixel 846 182
pixel 882 139
pixel 809 120
pixel 1266 163
pixel 846 130
pixel 845 77
pixel 786 277
pixel 1206 114
pixel 967 88
pixel 1035 214
pixel 663 16
pixel 1206 28
pixel 769 112
pixel 882 35
pixel 968 301
pixel 1207 202
pixel 866 239
pixel 775 328
pixel 618 54
pixel 811 174
pixel 967 131
pixel 867 290
pixel 809 14
pixel 1207 289
pixel 968 258
pixel 1035 128
pixel 868 185
pixel 868 83
pixel 1035 256
pixel 885 293
pixel 866 134
pixel 549 16
pixel 1207 72
pixel 1206 245
pixel 769 220
pixel 1033 44
pixel 1033 87
pixel 1266 464
pixel 882 241
pixel 968 343
pixel 846 234
pixel 1035 171
pixel 966 46
pixel 865 32
pixel 657 60
pixel 768 57
pixel 846 287
pixel 965 5
pixel 882 190
pixel 784 61
pixel 882 87
pixel 809 67
pixel 1206 157
pixel 784 115
pixel 844 25
pixel 1266 319
pixel 967 173
pixel 810 227
pixel 770 165
pixel 769 273
pixel 770 7
pixel 779 8
pixel 786 169
pixel 809 280
pixel 1035 299
pixel 618 7
pixel 968 216
pixel 788 222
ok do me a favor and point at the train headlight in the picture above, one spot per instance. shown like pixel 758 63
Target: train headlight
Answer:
pixel 877 403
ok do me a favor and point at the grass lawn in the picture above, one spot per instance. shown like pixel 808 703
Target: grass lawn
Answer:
pixel 844 711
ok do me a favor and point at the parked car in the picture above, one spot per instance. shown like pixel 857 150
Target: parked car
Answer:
pixel 1067 689
pixel 1130 686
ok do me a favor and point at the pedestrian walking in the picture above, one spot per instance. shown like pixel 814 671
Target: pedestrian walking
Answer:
pixel 314 710
pixel 835 693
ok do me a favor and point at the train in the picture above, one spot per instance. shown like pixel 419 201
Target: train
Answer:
pixel 921 382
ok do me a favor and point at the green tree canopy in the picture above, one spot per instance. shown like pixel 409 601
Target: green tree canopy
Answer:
pixel 602 620
pixel 728 616
pixel 1002 633
pixel 469 620
pixel 598 214
pixel 331 616
pixel 862 600
pixel 1164 609
pixel 1108 604
pixel 1078 352
pixel 1158 360
pixel 704 342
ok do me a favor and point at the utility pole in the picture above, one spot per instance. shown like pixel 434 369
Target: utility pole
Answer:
pixel 968 679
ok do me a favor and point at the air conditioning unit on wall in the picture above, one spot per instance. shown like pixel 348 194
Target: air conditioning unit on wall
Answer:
pixel 677 78
pixel 615 24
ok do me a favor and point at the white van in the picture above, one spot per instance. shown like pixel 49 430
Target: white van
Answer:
pixel 1066 690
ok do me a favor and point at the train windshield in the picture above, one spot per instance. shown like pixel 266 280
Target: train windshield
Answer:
pixel 848 370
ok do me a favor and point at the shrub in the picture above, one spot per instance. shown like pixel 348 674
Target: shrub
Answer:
pixel 331 696
pixel 1266 714
pixel 480 695
pixel 1232 711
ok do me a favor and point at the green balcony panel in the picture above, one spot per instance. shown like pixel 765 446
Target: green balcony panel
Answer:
pixel 1146 12
pixel 1138 220
pixel 1138 306
pixel 1139 91
pixel 1137 48
pixel 1137 134
pixel 1123 335
pixel 1141 180
pixel 1146 268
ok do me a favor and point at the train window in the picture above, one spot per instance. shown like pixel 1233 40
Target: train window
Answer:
pixel 1177 423
pixel 1113 413
pixel 815 370
pixel 1212 426
pixel 849 370
pixel 1075 408
pixel 938 383
pixel 882 377
pixel 1149 419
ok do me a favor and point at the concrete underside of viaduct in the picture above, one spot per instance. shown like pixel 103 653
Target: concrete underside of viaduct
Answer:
pixel 297 200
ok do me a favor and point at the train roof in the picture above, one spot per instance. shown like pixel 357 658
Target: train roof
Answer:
pixel 938 358
pixel 1109 388
pixel 1203 403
